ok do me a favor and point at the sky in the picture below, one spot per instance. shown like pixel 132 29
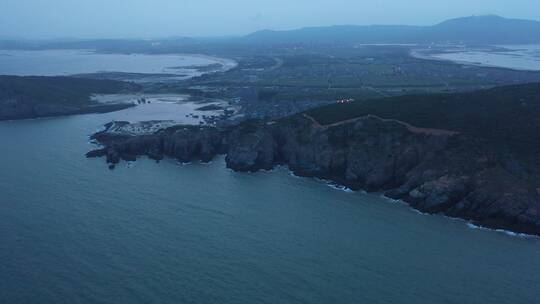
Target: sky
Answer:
pixel 46 19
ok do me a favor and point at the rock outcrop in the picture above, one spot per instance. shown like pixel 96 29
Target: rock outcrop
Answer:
pixel 432 170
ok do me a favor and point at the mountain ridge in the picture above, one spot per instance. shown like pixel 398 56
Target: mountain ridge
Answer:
pixel 487 29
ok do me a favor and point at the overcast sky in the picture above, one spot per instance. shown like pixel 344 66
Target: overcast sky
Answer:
pixel 166 18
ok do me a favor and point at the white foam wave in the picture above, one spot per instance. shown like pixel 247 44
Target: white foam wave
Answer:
pixel 339 187
pixel 507 232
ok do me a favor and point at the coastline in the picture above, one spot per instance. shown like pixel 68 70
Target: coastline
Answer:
pixel 432 173
pixel 343 188
pixel 91 109
pixel 104 67
pixel 38 109
pixel 419 55
pixel 228 63
pixel 469 223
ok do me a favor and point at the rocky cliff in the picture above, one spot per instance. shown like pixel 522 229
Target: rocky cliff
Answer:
pixel 435 171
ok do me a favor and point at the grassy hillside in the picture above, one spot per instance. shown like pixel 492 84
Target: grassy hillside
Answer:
pixel 508 116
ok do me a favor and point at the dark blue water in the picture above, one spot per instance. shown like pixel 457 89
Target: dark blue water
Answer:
pixel 518 57
pixel 72 231
pixel 70 62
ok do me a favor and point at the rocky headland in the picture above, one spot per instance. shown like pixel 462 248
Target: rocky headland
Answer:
pixel 433 170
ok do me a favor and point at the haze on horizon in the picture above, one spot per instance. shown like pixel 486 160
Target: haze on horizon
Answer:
pixel 39 19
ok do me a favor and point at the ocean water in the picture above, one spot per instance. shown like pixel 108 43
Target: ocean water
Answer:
pixel 72 231
pixel 518 57
pixel 71 62
pixel 171 107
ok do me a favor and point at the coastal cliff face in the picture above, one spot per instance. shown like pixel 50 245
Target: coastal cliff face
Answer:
pixel 184 143
pixel 435 171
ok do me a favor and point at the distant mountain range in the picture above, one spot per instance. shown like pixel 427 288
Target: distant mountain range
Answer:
pixel 488 29
pixel 484 30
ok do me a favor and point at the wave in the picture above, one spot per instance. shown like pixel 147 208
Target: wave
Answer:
pixel 468 223
pixel 507 232
pixel 339 187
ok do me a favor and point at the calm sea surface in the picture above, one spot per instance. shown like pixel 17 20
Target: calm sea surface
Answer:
pixel 70 62
pixel 518 57
pixel 71 231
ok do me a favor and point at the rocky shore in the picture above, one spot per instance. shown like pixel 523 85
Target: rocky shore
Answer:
pixel 435 171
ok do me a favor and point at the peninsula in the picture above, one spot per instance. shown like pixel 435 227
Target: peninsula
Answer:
pixel 420 149
pixel 33 96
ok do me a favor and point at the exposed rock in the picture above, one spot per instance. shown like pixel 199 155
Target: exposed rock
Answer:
pixel 435 172
pixel 181 142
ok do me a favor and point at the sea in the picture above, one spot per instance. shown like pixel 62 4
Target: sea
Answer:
pixel 516 57
pixel 73 231
pixel 80 62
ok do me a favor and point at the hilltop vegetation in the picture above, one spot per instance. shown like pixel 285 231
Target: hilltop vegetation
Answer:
pixel 58 90
pixel 312 76
pixel 488 172
pixel 29 97
pixel 508 116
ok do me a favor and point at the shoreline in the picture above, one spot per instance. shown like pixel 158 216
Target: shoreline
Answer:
pixel 227 63
pixel 99 102
pixel 231 62
pixel 418 55
pixel 472 225
pixel 456 183
pixel 343 188
pixel 92 109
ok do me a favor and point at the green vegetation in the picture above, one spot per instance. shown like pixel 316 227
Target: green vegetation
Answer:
pixel 508 116
pixel 363 72
pixel 301 94
pixel 58 90
pixel 488 29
